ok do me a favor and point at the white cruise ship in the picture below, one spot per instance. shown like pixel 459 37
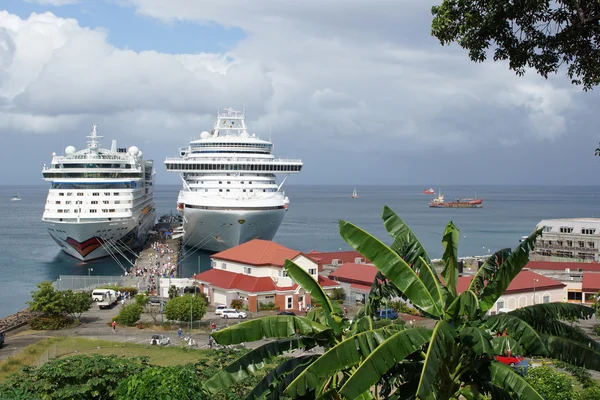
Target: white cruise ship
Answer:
pixel 229 193
pixel 101 202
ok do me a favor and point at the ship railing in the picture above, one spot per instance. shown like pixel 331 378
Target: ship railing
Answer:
pixel 565 247
pixel 236 160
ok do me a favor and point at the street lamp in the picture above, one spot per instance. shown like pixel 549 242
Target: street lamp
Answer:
pixel 90 271
pixel 534 282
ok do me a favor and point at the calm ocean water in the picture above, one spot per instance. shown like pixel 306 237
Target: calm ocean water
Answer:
pixel 28 255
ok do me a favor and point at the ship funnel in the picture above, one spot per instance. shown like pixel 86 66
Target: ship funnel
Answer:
pixel 113 146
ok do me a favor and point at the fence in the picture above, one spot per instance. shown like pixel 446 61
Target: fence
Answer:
pixel 83 282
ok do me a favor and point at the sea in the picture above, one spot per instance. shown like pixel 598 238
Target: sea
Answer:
pixel 28 255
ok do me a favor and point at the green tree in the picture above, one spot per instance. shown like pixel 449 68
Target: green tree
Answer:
pixel 185 307
pixel 543 35
pixel 551 384
pixel 129 315
pixel 158 383
pixel 75 304
pixel 46 299
pixel 172 292
pixel 142 299
pixel 454 360
pixel 338 294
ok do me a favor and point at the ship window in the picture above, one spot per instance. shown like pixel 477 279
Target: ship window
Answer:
pixel 591 245
pixel 69 194
pixel 79 194
pixel 95 202
pixel 58 202
pixel 264 190
pixel 111 210
pixel 105 201
pixel 220 190
pixel 95 194
pixel 228 190
pixel 581 244
pixel 244 190
pixel 67 202
pixel 250 183
pixel 228 182
pixel 107 193
pixel 252 190
pixel 93 211
pixel 220 182
pixel 115 194
pixel 61 194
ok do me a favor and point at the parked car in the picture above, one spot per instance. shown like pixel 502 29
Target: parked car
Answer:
pixel 1 339
pixel 286 313
pixel 388 313
pixel 154 301
pixel 219 310
pixel 509 359
pixel 232 313
pixel 161 340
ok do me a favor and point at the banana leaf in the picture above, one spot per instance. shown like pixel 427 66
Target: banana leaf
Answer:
pixel 273 385
pixel 561 329
pixel 279 326
pixel 488 270
pixel 554 311
pixel 440 346
pixel 346 354
pixel 464 307
pixel 252 361
pixel 502 344
pixel 393 350
pixel 405 243
pixel 477 340
pixel 469 393
pixel 521 331
pixel 450 257
pixel 431 281
pixel 505 378
pixel 572 352
pixel 308 283
pixel 392 266
pixel 507 272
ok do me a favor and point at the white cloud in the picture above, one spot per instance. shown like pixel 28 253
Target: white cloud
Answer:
pixel 55 3
pixel 332 73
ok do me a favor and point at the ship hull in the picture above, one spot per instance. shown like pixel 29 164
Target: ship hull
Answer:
pixel 456 205
pixel 87 240
pixel 218 230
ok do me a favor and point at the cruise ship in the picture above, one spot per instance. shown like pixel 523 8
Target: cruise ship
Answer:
pixel 101 201
pixel 230 194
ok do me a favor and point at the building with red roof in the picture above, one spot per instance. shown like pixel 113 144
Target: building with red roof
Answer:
pixel 335 259
pixel 254 273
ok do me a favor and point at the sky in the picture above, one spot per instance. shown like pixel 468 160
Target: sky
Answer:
pixel 359 90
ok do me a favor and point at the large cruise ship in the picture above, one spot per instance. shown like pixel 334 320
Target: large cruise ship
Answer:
pixel 101 201
pixel 230 194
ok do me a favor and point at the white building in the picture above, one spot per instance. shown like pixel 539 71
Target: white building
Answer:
pixel 569 238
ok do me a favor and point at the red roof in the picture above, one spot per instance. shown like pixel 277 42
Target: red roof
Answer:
pixel 363 274
pixel 362 288
pixel 327 283
pixel 231 280
pixel 591 282
pixel 327 257
pixel 258 252
pixel 523 282
pixel 561 266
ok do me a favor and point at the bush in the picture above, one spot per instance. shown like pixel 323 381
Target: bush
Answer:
pixel 129 289
pixel 269 306
pixel 237 304
pixel 402 308
pixel 178 309
pixel 582 375
pixel 129 314
pixel 141 299
pixel 551 384
pixel 338 294
pixel 597 329
pixel 590 393
pixel 50 322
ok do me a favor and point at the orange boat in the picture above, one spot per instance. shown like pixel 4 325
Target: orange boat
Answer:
pixel 438 202
pixel 429 191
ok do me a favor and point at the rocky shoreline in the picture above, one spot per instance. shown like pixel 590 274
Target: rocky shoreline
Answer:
pixel 17 319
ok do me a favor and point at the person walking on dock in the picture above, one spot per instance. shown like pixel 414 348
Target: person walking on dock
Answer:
pixel 114 326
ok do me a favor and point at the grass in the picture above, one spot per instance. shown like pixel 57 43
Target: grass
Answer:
pixel 50 348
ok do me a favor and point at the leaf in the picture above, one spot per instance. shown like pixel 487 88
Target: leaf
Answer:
pixel 442 341
pixel 502 344
pixel 488 270
pixel 505 378
pixel 279 326
pixel 405 241
pixel 553 311
pixel 393 350
pixel 308 283
pixel 391 265
pixel 275 382
pixel 469 393
pixel 432 283
pixel 477 340
pixel 450 257
pixel 464 307
pixel 252 361
pixel 346 354
pixel 519 330
pixel 507 272
pixel 572 352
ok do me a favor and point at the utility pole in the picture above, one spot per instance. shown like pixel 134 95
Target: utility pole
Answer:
pixel 534 281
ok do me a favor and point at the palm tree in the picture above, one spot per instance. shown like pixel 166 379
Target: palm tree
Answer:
pixel 456 358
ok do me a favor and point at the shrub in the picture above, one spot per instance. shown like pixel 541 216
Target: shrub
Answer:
pixel 129 289
pixel 141 299
pixel 551 384
pixel 597 329
pixel 269 306
pixel 590 393
pixel 129 314
pixel 338 294
pixel 50 322
pixel 582 375
pixel 178 309
pixel 237 304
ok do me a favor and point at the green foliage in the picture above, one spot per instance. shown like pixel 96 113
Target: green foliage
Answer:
pixel 46 299
pixel 142 299
pixel 582 375
pixel 75 304
pixel 338 294
pixel 550 383
pixel 403 308
pixel 590 393
pixel 129 315
pixel 185 307
pixel 542 35
pixel 237 304
pixel 172 292
pixel 269 306
pixel 77 377
pixel 129 289
pixel 158 383
pixel 50 322
pixel 597 329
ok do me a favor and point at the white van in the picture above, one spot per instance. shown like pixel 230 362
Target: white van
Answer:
pixel 109 299
pixel 219 310
pixel 98 294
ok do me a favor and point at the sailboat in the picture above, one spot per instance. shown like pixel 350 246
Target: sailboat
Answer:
pixel 354 194
pixel 16 198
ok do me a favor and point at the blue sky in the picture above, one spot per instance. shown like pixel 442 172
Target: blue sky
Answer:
pixel 359 90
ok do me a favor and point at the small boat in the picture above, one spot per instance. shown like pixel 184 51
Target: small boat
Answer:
pixel 429 191
pixel 354 194
pixel 16 198
pixel 438 202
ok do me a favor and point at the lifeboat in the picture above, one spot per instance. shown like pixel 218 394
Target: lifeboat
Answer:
pixel 429 191
pixel 179 206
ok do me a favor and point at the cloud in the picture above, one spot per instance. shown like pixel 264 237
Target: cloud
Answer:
pixel 329 76
pixel 55 3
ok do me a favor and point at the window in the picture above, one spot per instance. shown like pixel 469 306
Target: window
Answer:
pixel 94 201
pixel 248 270
pixel 312 271
pixel 547 228
pixel 546 299
pixel 500 305
pixel 61 194
pixel 282 273
pixel 587 231
pixel 566 229
pixel 289 302
pixel 95 194
pixel 69 194
pixel 79 194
